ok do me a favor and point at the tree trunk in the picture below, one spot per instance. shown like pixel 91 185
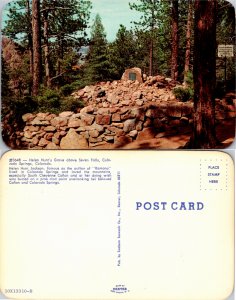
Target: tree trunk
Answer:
pixel 151 57
pixel 30 42
pixel 46 49
pixel 188 41
pixel 151 43
pixel 204 75
pixel 37 59
pixel 175 40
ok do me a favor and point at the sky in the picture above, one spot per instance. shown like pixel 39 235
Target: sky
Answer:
pixel 114 13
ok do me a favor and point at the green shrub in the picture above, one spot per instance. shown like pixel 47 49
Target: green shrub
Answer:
pixel 18 107
pixel 48 100
pixel 67 89
pixel 183 94
pixel 189 79
pixel 71 104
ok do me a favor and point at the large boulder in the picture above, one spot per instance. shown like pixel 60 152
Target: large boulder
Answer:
pixel 73 141
pixel 132 74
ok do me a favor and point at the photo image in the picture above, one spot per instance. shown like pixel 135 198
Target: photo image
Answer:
pixel 102 74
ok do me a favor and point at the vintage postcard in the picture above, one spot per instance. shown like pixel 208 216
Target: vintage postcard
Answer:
pixel 102 74
pixel 91 78
pixel 117 225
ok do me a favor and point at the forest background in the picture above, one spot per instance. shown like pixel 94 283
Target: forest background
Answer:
pixel 52 48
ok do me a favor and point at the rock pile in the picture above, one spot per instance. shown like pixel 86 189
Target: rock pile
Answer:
pixel 127 93
pixel 116 113
pixel 93 127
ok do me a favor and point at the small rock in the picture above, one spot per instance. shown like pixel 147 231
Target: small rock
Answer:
pixel 103 143
pixel 43 142
pixel 105 104
pixel 116 117
pixel 137 113
pixel 50 129
pixel 28 134
pixel 137 95
pixel 66 114
pixel 103 119
pixel 74 123
pixel 88 88
pixel 139 102
pixel 52 146
pixel 59 121
pixel 38 121
pixel 32 128
pixel 103 111
pixel 85 134
pixel 139 126
pixel 164 97
pixel 28 117
pixel 97 127
pixel 55 140
pixel 122 140
pixel 42 116
pixel 87 119
pixel 109 138
pixel 129 125
pixel 95 140
pixel 118 125
pixel 48 136
pixel 80 129
pixel 115 101
pixel 35 140
pixel 94 133
pixel 133 133
pixel 87 110
pixel 50 117
pixel 125 102
pixel 146 134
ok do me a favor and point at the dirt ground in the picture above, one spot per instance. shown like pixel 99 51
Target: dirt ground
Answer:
pixel 225 132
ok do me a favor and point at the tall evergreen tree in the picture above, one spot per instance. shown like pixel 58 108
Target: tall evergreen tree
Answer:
pixel 123 50
pixel 188 40
pixel 204 135
pixel 18 27
pixel 150 18
pixel 62 29
pixel 37 57
pixel 98 66
pixel 45 18
pixel 175 40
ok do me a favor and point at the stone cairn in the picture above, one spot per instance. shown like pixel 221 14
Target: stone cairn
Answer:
pixel 116 113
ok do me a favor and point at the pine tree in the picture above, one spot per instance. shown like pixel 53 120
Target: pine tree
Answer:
pixel 97 66
pixel 123 51
pixel 150 18
pixel 175 40
pixel 204 135
pixel 63 26
pixel 18 27
pixel 188 41
pixel 37 57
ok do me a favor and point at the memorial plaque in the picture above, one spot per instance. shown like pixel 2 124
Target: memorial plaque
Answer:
pixel 225 50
